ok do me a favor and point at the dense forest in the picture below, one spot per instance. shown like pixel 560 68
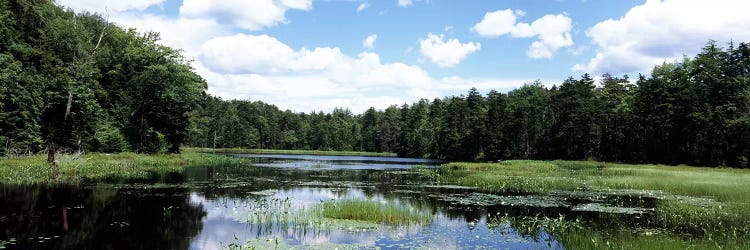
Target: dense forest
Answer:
pixel 74 81
pixel 693 112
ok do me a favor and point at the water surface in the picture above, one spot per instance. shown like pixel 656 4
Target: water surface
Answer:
pixel 266 204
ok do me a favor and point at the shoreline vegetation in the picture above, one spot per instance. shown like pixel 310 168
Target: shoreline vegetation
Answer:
pixel 708 207
pixel 126 100
pixel 698 206
pixel 76 169
pixel 291 152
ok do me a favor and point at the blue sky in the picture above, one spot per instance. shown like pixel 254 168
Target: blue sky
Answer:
pixel 309 55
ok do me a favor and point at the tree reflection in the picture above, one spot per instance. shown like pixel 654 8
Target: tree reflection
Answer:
pixel 98 218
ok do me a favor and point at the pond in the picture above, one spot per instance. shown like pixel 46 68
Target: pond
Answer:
pixel 286 201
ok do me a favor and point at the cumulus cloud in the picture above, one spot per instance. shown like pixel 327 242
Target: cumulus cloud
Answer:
pixel 108 6
pixel 187 34
pixel 663 30
pixel 446 53
pixel 369 42
pixel 362 7
pixel 552 31
pixel 261 67
pixel 249 15
pixel 405 3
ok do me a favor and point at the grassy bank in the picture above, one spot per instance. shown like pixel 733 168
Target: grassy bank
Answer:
pixel 97 167
pixel 291 152
pixel 710 203
pixel 721 184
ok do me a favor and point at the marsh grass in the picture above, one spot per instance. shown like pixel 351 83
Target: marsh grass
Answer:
pixel 291 152
pixel 722 184
pixel 373 211
pixel 575 234
pixel 95 167
pixel 708 206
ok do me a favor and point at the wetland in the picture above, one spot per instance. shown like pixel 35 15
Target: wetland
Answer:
pixel 264 201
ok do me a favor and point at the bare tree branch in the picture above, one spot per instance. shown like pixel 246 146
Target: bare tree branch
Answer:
pixel 101 35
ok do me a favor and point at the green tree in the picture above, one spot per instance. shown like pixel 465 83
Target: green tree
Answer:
pixel 496 142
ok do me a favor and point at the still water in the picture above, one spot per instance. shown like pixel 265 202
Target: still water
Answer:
pixel 264 204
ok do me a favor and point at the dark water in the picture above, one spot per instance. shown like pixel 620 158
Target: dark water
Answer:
pixel 263 205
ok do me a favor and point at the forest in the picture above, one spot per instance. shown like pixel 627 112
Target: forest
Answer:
pixel 693 112
pixel 75 82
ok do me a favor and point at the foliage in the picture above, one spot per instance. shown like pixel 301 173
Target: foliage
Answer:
pixel 97 167
pixel 699 201
pixel 694 112
pixel 74 81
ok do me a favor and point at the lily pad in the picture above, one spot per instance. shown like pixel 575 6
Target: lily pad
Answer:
pixel 599 207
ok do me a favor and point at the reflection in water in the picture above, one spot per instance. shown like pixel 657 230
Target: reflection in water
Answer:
pixel 331 158
pixel 98 218
pixel 272 203
pixel 226 220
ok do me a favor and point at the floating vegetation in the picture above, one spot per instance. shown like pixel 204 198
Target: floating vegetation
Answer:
pixel 514 204
pixel 481 199
pixel 704 204
pixel 267 192
pixel 276 243
pixel 7 243
pixel 449 187
pixel 602 208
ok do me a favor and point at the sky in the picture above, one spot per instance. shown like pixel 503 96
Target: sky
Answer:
pixel 310 55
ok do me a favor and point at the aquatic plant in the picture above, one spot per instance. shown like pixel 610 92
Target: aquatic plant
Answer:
pixel 374 211
pixel 711 205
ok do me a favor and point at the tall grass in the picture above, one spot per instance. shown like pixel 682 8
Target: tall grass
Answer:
pixel 96 167
pixel 373 211
pixel 574 235
pixel 725 185
pixel 709 203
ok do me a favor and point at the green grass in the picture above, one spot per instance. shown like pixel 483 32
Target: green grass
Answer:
pixel 96 167
pixel 292 152
pixel 373 211
pixel 721 184
pixel 712 204
pixel 574 235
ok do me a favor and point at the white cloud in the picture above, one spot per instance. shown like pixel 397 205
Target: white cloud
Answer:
pixel 362 7
pixel 187 34
pixel 446 53
pixel 246 54
pixel 110 6
pixel 663 30
pixel 496 24
pixel 250 15
pixel 369 42
pixel 405 3
pixel 552 31
pixel 260 67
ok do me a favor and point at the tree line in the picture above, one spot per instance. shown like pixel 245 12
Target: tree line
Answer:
pixel 74 81
pixel 696 111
